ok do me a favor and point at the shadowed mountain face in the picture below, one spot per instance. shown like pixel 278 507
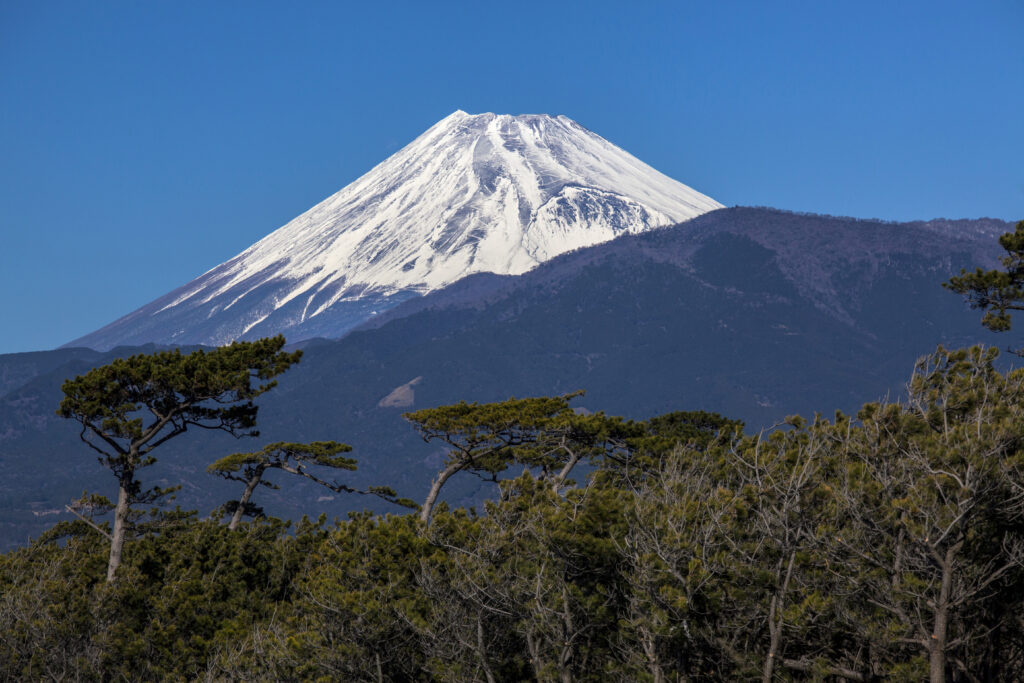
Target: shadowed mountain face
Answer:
pixel 753 313
pixel 485 193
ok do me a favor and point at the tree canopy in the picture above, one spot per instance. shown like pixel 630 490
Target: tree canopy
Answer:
pixel 294 458
pixel 543 433
pixel 888 545
pixel 997 292
pixel 132 406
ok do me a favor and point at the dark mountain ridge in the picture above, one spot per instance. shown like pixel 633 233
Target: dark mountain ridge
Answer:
pixel 753 313
pixel 808 248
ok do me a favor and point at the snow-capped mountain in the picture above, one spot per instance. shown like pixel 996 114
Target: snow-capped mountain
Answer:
pixel 484 193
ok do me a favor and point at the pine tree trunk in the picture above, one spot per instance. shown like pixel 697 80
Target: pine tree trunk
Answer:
pixel 534 649
pixel 775 622
pixel 937 652
pixel 564 474
pixel 482 650
pixel 435 490
pixel 569 628
pixel 120 524
pixel 651 652
pixel 250 486
pixel 774 636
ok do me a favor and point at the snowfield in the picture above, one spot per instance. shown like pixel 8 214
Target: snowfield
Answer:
pixel 474 193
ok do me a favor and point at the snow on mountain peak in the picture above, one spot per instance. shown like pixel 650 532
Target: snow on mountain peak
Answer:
pixel 474 193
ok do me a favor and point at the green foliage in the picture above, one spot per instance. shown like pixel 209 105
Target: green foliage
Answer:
pixel 648 444
pixel 541 433
pixel 889 546
pixel 353 613
pixel 930 510
pixel 323 453
pixel 294 458
pixel 482 436
pixel 133 405
pixel 181 599
pixel 997 292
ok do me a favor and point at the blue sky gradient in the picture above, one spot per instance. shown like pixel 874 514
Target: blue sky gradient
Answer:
pixel 143 143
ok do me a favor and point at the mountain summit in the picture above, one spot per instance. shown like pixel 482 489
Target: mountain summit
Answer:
pixel 474 193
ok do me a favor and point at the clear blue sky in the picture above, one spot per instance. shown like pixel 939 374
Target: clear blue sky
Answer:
pixel 142 143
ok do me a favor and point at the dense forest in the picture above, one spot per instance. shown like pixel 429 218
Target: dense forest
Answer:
pixel 886 545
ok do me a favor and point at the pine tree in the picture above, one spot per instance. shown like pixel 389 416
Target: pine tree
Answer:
pixel 997 291
pixel 132 406
pixel 294 458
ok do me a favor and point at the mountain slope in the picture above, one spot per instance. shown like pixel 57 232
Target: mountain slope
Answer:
pixel 484 193
pixel 752 313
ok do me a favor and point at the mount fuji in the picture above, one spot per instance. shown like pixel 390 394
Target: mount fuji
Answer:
pixel 474 193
